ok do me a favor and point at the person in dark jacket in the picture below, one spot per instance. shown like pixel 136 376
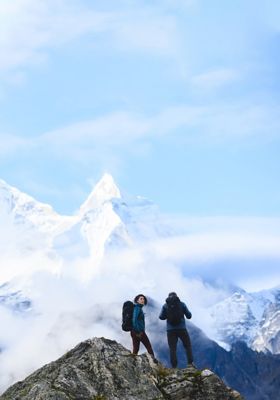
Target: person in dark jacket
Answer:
pixel 176 329
pixel 138 333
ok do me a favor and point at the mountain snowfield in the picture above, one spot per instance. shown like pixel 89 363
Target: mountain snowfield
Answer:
pixel 104 220
pixel 61 276
pixel 250 317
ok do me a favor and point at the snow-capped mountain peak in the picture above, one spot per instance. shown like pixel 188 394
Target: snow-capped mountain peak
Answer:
pixel 106 221
pixel 250 317
pixel 24 209
pixel 234 318
pixel 14 199
pixel 105 190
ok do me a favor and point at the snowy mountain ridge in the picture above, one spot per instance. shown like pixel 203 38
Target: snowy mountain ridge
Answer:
pixel 25 210
pixel 105 220
pixel 250 317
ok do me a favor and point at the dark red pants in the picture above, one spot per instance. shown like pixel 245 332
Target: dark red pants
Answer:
pixel 143 338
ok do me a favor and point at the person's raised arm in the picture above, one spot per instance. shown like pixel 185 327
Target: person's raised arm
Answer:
pixel 163 313
pixel 187 312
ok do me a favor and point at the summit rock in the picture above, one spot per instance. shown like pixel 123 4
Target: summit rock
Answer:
pixel 99 369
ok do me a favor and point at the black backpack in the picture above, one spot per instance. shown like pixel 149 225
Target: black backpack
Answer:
pixel 127 313
pixel 174 310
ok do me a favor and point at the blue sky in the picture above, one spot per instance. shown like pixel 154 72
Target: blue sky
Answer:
pixel 178 100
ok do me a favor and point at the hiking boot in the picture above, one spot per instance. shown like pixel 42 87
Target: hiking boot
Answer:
pixel 155 360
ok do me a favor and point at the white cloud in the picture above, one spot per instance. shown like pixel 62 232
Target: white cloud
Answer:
pixel 244 119
pixel 109 129
pixel 243 251
pixel 215 78
pixel 75 312
pixel 122 130
pixel 20 250
pixel 29 29
pixel 10 144
pixel 157 35
pixel 110 137
pixel 210 247
pixel 184 4
pixel 222 224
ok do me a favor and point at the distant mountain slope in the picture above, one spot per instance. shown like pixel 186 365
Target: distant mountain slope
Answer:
pixel 253 374
pixel 250 317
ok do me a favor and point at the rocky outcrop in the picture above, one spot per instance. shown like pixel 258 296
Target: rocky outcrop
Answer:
pixel 102 369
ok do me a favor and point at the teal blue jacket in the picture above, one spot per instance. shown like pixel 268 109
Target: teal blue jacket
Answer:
pixel 138 319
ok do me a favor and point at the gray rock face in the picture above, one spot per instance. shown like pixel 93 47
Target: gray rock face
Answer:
pixel 102 369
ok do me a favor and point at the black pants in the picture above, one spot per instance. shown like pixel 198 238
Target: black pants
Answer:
pixel 143 338
pixel 172 337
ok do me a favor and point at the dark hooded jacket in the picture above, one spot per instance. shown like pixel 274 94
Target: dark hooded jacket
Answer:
pixel 185 311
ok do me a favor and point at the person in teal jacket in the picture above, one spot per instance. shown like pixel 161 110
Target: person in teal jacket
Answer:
pixel 138 333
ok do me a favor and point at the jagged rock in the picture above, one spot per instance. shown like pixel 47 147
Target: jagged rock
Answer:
pixel 102 369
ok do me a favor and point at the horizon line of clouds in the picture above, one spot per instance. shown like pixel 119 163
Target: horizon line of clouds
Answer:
pixel 248 260
pixel 209 247
pixel 233 255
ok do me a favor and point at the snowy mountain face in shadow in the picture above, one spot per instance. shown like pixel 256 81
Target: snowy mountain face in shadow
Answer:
pixel 250 317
